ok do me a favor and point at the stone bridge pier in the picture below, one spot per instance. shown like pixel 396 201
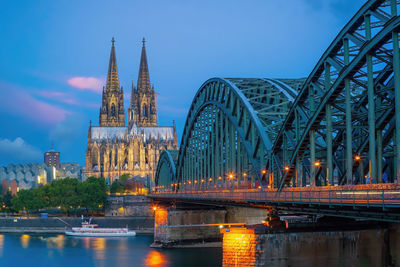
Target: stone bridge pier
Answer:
pixel 187 225
pixel 259 246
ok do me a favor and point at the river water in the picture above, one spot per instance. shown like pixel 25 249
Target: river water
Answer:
pixel 60 250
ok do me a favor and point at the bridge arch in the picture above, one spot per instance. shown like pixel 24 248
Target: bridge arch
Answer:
pixel 347 134
pixel 229 130
pixel 341 125
pixel 166 170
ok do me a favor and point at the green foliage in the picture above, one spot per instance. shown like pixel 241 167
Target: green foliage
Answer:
pixel 123 178
pixel 117 187
pixel 68 194
pixel 93 193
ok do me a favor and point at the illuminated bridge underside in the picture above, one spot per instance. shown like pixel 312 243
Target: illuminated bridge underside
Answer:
pixel 340 126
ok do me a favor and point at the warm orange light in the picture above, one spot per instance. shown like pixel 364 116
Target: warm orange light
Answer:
pixel 357 157
pixel 155 258
pixel 317 164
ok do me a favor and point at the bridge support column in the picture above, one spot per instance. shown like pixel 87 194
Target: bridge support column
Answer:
pixel 257 246
pixel 189 226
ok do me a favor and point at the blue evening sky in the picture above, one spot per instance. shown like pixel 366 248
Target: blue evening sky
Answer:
pixel 54 57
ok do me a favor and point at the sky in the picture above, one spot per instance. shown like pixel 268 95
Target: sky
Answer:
pixel 54 58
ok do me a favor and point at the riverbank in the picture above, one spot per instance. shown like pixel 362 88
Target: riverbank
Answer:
pixel 56 225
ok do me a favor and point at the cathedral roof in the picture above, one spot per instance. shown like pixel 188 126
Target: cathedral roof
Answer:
pixel 108 132
pixel 112 75
pixel 158 132
pixel 143 78
pixel 162 133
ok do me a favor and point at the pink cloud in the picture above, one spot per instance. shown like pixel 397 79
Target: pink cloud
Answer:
pixel 20 102
pixel 87 83
pixel 59 96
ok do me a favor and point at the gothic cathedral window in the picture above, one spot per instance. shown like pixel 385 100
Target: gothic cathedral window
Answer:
pixel 112 110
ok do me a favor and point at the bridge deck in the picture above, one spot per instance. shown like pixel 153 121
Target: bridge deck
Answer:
pixel 359 197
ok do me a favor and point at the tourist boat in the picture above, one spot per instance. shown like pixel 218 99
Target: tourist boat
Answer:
pixel 92 230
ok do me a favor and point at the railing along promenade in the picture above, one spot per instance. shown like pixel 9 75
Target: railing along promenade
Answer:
pixel 371 195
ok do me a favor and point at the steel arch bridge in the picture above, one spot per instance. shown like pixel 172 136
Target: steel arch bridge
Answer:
pixel 339 126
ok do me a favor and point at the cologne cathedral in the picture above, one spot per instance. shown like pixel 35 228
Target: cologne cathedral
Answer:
pixel 114 149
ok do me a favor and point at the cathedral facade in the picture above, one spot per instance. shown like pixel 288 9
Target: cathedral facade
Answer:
pixel 114 149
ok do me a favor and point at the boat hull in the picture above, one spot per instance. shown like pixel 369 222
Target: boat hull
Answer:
pixel 91 234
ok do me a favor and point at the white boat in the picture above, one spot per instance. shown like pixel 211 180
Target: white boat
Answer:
pixel 92 230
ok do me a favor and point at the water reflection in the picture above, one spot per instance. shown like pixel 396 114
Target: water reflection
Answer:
pixel 25 240
pixel 98 244
pixel 55 241
pixel 155 259
pixel 1 245
pixel 64 251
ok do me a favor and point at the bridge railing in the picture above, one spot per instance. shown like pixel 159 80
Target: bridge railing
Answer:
pixel 365 196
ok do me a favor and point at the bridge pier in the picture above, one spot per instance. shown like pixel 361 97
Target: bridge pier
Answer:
pixel 261 246
pixel 198 226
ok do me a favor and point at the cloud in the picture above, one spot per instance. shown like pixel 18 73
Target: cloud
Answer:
pixel 87 83
pixel 18 101
pixel 19 151
pixel 68 130
pixel 59 96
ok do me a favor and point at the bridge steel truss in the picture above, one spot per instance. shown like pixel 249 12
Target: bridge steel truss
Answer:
pixel 339 126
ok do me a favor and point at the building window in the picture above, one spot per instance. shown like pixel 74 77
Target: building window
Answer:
pixel 112 110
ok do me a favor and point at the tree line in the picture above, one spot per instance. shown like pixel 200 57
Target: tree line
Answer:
pixel 68 195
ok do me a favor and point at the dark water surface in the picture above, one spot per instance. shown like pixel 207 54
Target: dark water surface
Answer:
pixel 60 250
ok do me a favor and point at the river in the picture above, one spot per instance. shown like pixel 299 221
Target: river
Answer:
pixel 60 250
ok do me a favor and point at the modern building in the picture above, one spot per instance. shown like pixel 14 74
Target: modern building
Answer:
pixel 31 175
pixel 52 159
pixel 114 149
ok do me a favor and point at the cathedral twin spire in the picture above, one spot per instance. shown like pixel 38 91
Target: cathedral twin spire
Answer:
pixel 112 76
pixel 112 113
pixel 143 77
pixel 142 110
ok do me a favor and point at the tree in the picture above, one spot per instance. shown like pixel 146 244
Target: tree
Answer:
pixel 117 187
pixel 123 178
pixel 28 200
pixel 93 193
